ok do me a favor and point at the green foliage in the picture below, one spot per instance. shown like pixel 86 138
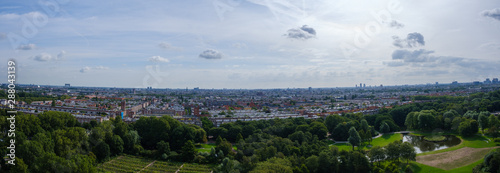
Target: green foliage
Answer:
pixel 491 163
pixel 188 151
pixel 384 128
pixel 407 152
pixel 340 133
pixel 102 151
pixel 468 127
pixel 332 121
pixel 318 129
pixel 354 138
pixel 377 154
pixel 273 165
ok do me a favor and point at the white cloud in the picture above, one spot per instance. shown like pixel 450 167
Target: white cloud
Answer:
pixel 211 54
pixel 158 59
pixel 493 13
pixel 61 55
pixel 87 68
pixel 26 47
pixel 43 57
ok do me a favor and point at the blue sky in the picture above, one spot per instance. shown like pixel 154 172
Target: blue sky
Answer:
pixel 250 44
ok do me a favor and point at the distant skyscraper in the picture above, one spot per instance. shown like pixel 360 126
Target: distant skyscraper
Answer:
pixel 487 81
pixel 364 85
pixel 495 80
pixel 67 85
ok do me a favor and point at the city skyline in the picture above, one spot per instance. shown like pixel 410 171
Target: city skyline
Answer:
pixel 250 44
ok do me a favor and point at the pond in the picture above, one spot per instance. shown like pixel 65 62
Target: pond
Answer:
pixel 422 145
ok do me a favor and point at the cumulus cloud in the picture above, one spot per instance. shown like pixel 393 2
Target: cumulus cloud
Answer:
pixel 240 45
pixel 164 45
pixel 14 16
pixel 45 57
pixel 26 47
pixel 305 32
pixel 424 58
pixel 396 24
pixel 412 40
pixel 421 55
pixel 168 46
pixel 493 13
pixel 87 68
pixel 84 69
pixel 158 59
pixel 61 55
pixel 211 54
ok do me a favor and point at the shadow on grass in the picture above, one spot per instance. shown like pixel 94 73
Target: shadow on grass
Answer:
pixel 475 138
pixel 387 135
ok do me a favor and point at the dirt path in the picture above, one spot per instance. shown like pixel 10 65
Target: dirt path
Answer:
pixel 179 169
pixel 454 159
pixel 147 166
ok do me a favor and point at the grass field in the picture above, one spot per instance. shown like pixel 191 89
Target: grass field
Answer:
pixel 380 141
pixel 208 147
pixel 454 159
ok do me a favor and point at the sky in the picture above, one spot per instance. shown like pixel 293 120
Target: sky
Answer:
pixel 249 44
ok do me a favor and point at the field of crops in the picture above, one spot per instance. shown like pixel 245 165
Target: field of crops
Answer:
pixel 128 163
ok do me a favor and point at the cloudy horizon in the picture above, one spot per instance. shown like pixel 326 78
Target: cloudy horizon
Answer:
pixel 250 44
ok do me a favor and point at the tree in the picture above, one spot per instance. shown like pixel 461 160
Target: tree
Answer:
pixel 468 127
pixel 102 151
pixel 228 166
pixel 354 138
pixel 493 120
pixel 163 148
pixel 115 145
pixel 359 162
pixel 377 154
pixel 332 121
pixel 312 163
pixel 411 120
pixel 273 165
pixel 408 152
pixel 392 151
pixel 152 130
pixel 483 121
pixel 318 129
pixel 426 120
pixel 340 133
pixel 20 166
pixel 364 125
pixel 188 151
pixel 384 128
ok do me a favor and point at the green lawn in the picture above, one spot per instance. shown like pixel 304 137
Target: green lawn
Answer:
pixel 380 141
pixel 207 148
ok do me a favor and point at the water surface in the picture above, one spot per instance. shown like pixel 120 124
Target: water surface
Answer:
pixel 422 146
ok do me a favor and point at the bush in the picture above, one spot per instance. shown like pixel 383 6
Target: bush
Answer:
pixel 435 138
